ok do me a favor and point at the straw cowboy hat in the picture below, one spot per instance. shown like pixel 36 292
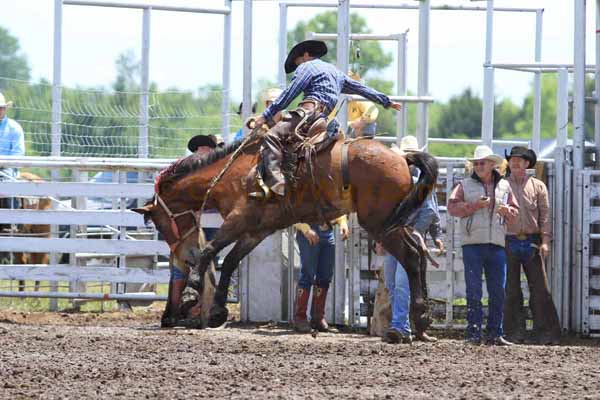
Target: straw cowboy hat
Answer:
pixel 410 143
pixel 483 152
pixel 4 103
pixel 271 94
pixel 354 75
pixel 315 48
pixel 524 153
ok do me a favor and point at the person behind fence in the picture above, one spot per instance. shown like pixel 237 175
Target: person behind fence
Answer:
pixel 322 83
pixel 425 219
pixel 12 143
pixel 528 244
pixel 268 96
pixel 317 256
pixel 362 115
pixel 484 203
pixel 199 144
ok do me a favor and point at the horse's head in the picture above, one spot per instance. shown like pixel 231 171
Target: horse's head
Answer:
pixel 180 229
pixel 176 224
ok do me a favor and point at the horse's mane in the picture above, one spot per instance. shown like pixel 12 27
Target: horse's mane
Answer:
pixel 187 165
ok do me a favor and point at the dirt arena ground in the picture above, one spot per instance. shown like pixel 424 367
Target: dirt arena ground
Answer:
pixel 56 356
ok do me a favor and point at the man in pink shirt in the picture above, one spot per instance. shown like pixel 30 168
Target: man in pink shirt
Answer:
pixel 528 244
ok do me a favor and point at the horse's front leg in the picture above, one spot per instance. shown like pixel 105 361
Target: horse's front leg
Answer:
pixel 198 260
pixel 218 311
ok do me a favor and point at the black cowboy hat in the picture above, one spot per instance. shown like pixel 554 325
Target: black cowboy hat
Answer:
pixel 239 111
pixel 201 141
pixel 315 48
pixel 524 153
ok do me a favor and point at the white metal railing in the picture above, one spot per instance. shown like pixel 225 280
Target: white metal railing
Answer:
pixel 122 246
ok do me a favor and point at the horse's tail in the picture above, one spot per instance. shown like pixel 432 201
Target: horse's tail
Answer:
pixel 419 192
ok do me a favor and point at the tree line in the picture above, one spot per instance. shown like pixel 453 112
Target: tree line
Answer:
pixel 105 121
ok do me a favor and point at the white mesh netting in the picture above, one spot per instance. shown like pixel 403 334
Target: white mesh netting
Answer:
pixel 106 123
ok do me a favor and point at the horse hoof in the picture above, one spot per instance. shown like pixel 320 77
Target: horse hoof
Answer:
pixel 218 316
pixel 168 322
pixel 191 323
pixel 189 298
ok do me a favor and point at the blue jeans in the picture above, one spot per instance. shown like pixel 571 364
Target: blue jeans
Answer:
pixel 396 281
pixel 521 249
pixel 317 261
pixel 491 259
pixel 209 234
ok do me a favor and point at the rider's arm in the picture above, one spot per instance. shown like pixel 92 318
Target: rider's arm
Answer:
pixel 354 87
pixel 299 82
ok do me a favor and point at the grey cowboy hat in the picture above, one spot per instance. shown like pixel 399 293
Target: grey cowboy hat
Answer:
pixel 315 48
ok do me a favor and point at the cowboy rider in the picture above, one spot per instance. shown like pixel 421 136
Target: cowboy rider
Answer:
pixel 322 83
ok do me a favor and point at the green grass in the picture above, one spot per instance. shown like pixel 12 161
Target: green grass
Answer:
pixel 43 304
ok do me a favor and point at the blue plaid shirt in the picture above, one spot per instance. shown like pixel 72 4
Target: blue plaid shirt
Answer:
pixel 12 141
pixel 322 82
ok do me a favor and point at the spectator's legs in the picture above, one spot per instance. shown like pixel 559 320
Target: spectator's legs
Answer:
pixel 396 280
pixel 514 312
pixel 324 273
pixel 309 256
pixel 546 326
pixel 473 261
pixel 495 278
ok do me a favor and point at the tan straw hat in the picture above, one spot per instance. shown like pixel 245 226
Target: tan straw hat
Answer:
pixel 3 102
pixel 271 94
pixel 409 143
pixel 483 152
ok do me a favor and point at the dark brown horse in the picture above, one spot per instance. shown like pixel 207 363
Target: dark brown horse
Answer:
pixel 381 192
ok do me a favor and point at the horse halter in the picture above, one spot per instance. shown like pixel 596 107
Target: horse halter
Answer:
pixel 174 227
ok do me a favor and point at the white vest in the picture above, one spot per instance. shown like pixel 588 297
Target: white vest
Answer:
pixel 484 226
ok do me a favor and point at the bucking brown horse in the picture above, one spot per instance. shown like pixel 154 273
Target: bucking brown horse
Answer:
pixel 376 184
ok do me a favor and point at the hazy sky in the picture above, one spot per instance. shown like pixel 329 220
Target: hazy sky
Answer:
pixel 186 49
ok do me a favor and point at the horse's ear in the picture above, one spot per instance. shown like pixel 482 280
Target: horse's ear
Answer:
pixel 145 210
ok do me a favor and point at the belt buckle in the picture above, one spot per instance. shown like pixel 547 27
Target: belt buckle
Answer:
pixel 522 236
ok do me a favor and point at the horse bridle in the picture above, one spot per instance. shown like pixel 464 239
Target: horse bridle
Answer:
pixel 174 227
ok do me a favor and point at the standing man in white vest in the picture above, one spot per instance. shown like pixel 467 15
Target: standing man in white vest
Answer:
pixel 484 202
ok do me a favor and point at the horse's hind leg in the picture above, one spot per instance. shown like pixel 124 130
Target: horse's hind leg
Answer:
pixel 406 250
pixel 218 311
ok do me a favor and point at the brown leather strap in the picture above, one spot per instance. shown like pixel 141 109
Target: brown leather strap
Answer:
pixel 345 167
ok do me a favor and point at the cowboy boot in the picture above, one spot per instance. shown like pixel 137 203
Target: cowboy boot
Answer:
pixel 301 324
pixel 317 309
pixel 272 156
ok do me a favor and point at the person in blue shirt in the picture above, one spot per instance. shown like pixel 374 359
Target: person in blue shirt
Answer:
pixel 322 83
pixel 12 143
pixel 12 139
pixel 268 97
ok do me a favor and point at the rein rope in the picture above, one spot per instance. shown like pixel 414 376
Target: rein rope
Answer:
pixel 233 157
